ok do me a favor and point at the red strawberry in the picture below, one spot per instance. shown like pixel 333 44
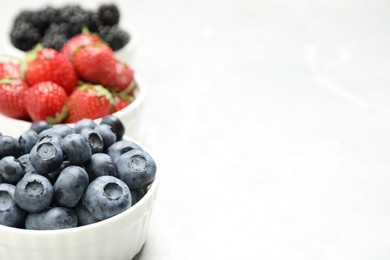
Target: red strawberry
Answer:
pixel 9 69
pixel 120 102
pixel 119 78
pixel 94 62
pixel 47 101
pixel 88 101
pixel 50 65
pixel 12 98
pixel 77 41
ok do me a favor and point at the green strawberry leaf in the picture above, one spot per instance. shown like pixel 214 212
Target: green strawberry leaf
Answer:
pixel 100 91
pixel 33 54
pixel 129 88
pixel 5 81
pixel 59 117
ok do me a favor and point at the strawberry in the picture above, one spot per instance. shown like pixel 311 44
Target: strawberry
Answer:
pixel 9 69
pixel 88 101
pixel 94 62
pixel 120 102
pixel 46 101
pixel 76 42
pixel 119 78
pixel 47 64
pixel 12 98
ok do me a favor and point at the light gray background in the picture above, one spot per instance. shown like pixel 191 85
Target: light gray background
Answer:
pixel 270 121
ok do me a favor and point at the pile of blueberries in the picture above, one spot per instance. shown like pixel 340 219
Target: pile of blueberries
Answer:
pixel 53 26
pixel 56 177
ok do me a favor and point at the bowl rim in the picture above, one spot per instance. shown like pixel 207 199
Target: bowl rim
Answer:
pixel 152 190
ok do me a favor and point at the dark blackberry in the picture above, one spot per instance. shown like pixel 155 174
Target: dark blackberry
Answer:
pixel 75 16
pixel 48 15
pixel 93 22
pixel 31 17
pixel 24 35
pixel 55 36
pixel 114 36
pixel 109 14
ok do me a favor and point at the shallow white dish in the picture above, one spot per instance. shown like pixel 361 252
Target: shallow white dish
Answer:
pixel 130 116
pixel 118 238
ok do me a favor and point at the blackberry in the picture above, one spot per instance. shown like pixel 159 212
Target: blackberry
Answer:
pixel 114 36
pixel 75 17
pixel 48 15
pixel 109 14
pixel 31 17
pixel 93 22
pixel 24 35
pixel 55 36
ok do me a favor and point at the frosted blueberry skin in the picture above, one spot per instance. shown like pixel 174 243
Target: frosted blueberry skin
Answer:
pixel 34 193
pixel 137 195
pixel 27 140
pixel 11 169
pixel 10 213
pixel 136 168
pixel 70 186
pixel 121 147
pixel 8 146
pixel 100 164
pixel 108 135
pixel 46 157
pixel 50 137
pixel 116 124
pixel 61 130
pixel 39 126
pixel 84 123
pixel 94 140
pixel 51 218
pixel 84 217
pixel 106 197
pixel 76 149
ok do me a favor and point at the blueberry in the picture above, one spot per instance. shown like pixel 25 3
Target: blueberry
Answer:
pixel 77 150
pixel 25 161
pixel 70 186
pixel 105 131
pixel 34 193
pixel 46 157
pixel 2 179
pixel 94 140
pixel 54 175
pixel 61 130
pixel 49 137
pixel 27 140
pixel 137 195
pixel 106 196
pixel 39 126
pixel 11 169
pixel 121 147
pixel 10 213
pixel 116 125
pixel 100 164
pixel 52 218
pixel 136 168
pixel 84 123
pixel 84 217
pixel 8 146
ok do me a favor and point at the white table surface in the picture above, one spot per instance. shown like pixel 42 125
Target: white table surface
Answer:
pixel 270 121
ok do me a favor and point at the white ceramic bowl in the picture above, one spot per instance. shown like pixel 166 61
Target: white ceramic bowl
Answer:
pixel 130 116
pixel 118 238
